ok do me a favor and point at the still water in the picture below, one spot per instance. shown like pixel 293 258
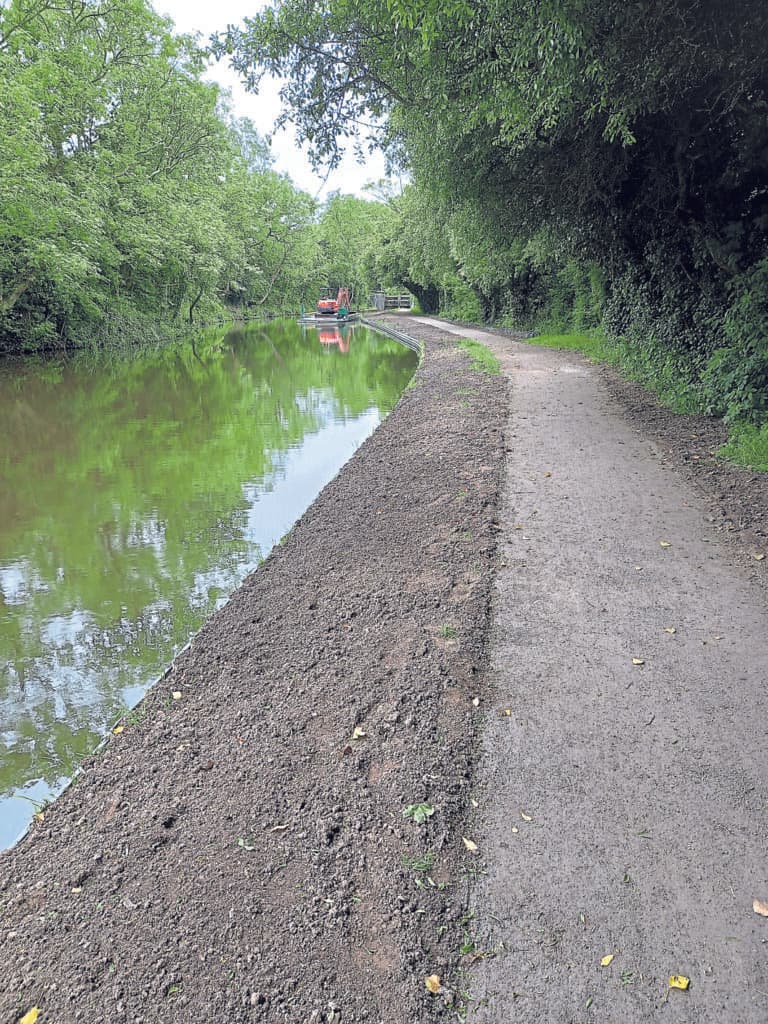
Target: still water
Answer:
pixel 135 495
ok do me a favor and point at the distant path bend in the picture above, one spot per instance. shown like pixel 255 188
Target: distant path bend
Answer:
pixel 624 775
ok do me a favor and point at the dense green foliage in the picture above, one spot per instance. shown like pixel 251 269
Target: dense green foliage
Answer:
pixel 131 203
pixel 576 163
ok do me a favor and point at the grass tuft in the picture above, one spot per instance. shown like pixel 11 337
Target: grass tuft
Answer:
pixel 593 346
pixel 747 445
pixel 483 360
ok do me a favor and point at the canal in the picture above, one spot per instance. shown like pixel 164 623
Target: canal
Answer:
pixel 135 495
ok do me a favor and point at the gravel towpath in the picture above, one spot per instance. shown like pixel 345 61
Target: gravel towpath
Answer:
pixel 624 774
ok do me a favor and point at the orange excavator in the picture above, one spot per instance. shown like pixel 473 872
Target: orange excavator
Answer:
pixel 335 307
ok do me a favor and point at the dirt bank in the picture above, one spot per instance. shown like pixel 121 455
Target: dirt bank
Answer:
pixel 239 851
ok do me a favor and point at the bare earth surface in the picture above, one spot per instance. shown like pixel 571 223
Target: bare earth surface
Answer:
pixel 454 622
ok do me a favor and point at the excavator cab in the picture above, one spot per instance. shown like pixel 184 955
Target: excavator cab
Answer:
pixel 326 306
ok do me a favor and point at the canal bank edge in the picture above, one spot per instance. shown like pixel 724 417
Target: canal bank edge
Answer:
pixel 278 833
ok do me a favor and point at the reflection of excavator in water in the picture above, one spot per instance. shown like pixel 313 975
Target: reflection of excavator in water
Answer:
pixel 338 307
pixel 333 336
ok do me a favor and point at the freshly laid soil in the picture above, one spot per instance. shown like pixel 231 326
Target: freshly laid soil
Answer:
pixel 239 852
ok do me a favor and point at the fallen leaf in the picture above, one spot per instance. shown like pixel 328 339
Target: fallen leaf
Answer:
pixel 244 845
pixel 679 981
pixel 607 960
pixel 638 568
pixel 760 908
pixel 39 816
pixel 472 847
pixel 547 474
pixel 518 526
pixel 359 733
pixel 670 629
pixel 30 1016
pixel 638 661
pixel 759 558
pixel 515 829
pixel 433 984
pixel 665 544
pixel 118 729
pixel 176 694
pixel 476 702
pixel 525 817
pixel 507 712
pixel 76 889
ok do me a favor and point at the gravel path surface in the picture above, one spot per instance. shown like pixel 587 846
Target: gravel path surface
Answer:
pixel 528 610
pixel 624 777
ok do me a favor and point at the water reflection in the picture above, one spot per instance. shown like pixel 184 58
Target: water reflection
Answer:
pixel 334 335
pixel 134 497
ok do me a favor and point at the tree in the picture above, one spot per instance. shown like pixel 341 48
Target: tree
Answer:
pixel 130 201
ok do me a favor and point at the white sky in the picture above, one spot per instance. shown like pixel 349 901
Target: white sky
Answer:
pixel 209 16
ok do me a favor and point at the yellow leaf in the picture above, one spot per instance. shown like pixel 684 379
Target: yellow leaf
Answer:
pixel 607 960
pixel 30 1016
pixel 39 816
pixel 359 733
pixel 670 629
pixel 118 729
pixel 760 908
pixel 758 558
pixel 433 984
pixel 525 817
pixel 638 661
pixel 176 694
pixel 679 981
pixel 665 544
pixel 472 847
